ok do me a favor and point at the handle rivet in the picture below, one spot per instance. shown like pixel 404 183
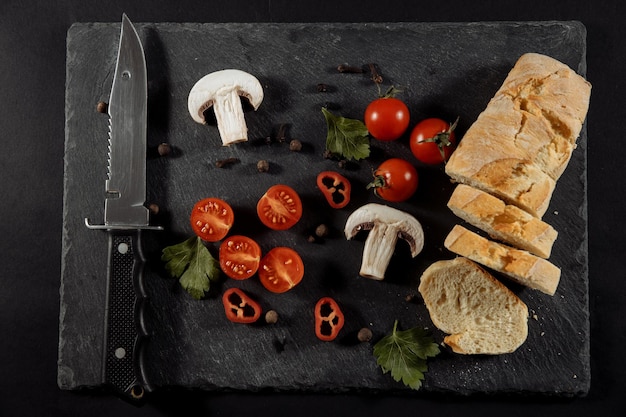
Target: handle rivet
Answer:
pixel 122 248
pixel 120 352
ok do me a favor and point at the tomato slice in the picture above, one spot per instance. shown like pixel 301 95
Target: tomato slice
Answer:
pixel 281 269
pixel 211 219
pixel 239 257
pixel 239 307
pixel 335 187
pixel 280 208
pixel 329 319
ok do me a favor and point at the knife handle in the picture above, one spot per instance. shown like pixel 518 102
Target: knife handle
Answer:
pixel 124 319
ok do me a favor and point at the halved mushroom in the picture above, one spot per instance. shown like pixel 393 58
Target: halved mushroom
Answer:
pixel 386 225
pixel 222 89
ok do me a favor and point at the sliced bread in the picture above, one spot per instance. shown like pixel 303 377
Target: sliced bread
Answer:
pixel 522 142
pixel 479 313
pixel 519 265
pixel 502 221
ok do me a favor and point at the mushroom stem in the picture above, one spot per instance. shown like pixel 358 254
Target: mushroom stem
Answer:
pixel 378 249
pixel 231 122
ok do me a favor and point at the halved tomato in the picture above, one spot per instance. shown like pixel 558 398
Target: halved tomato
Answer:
pixel 239 257
pixel 281 269
pixel 211 219
pixel 280 207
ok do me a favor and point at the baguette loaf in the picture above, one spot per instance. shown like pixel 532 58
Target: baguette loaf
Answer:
pixel 522 142
pixel 519 265
pixel 480 314
pixel 502 221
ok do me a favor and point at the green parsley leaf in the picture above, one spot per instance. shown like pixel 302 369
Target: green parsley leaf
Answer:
pixel 346 137
pixel 404 354
pixel 193 265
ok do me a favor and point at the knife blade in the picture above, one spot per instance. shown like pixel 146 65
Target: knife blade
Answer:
pixel 125 217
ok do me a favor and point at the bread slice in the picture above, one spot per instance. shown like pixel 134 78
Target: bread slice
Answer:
pixel 479 313
pixel 521 143
pixel 519 265
pixel 502 221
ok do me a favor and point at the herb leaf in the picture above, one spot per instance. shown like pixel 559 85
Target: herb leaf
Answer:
pixel 193 265
pixel 346 137
pixel 404 354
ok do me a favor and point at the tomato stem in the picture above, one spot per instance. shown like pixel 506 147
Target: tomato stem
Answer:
pixel 442 139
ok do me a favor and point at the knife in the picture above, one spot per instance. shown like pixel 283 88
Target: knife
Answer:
pixel 125 218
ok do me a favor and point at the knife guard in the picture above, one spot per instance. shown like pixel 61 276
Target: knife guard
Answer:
pixel 125 328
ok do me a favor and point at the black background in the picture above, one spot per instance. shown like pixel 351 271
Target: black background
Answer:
pixel 32 76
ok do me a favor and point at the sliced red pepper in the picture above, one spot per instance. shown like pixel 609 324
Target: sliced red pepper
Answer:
pixel 239 307
pixel 328 319
pixel 335 187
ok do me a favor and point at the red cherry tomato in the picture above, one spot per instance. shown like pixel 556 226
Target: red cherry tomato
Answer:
pixel 239 307
pixel 335 187
pixel 211 219
pixel 328 319
pixel 280 207
pixel 395 180
pixel 239 257
pixel 433 140
pixel 387 118
pixel 281 269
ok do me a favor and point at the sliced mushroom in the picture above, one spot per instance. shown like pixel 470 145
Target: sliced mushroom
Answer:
pixel 221 89
pixel 385 225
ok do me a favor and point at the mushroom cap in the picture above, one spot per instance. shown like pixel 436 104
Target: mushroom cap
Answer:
pixel 369 215
pixel 203 93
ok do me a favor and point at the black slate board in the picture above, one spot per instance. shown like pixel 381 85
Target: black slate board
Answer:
pixel 444 70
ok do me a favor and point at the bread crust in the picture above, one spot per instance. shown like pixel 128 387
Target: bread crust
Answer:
pixel 479 313
pixel 502 221
pixel 521 143
pixel 519 265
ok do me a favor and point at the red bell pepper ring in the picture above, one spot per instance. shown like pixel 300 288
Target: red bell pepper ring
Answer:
pixel 335 187
pixel 239 307
pixel 328 319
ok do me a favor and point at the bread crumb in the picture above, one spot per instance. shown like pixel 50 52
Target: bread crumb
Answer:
pixel 556 212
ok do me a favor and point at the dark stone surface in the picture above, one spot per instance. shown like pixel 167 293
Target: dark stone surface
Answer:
pixel 444 70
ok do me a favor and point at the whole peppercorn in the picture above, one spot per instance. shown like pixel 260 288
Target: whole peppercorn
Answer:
pixel 154 208
pixel 295 145
pixel 164 149
pixel 364 335
pixel 322 230
pixel 263 166
pixel 271 317
pixel 102 107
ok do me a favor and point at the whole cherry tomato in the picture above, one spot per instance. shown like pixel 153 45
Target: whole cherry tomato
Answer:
pixel 433 140
pixel 211 219
pixel 281 269
pixel 395 180
pixel 387 118
pixel 239 257
pixel 280 207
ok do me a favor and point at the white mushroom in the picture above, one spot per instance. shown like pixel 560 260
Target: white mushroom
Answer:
pixel 221 89
pixel 386 225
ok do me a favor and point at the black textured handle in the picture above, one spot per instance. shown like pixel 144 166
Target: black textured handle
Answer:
pixel 124 325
